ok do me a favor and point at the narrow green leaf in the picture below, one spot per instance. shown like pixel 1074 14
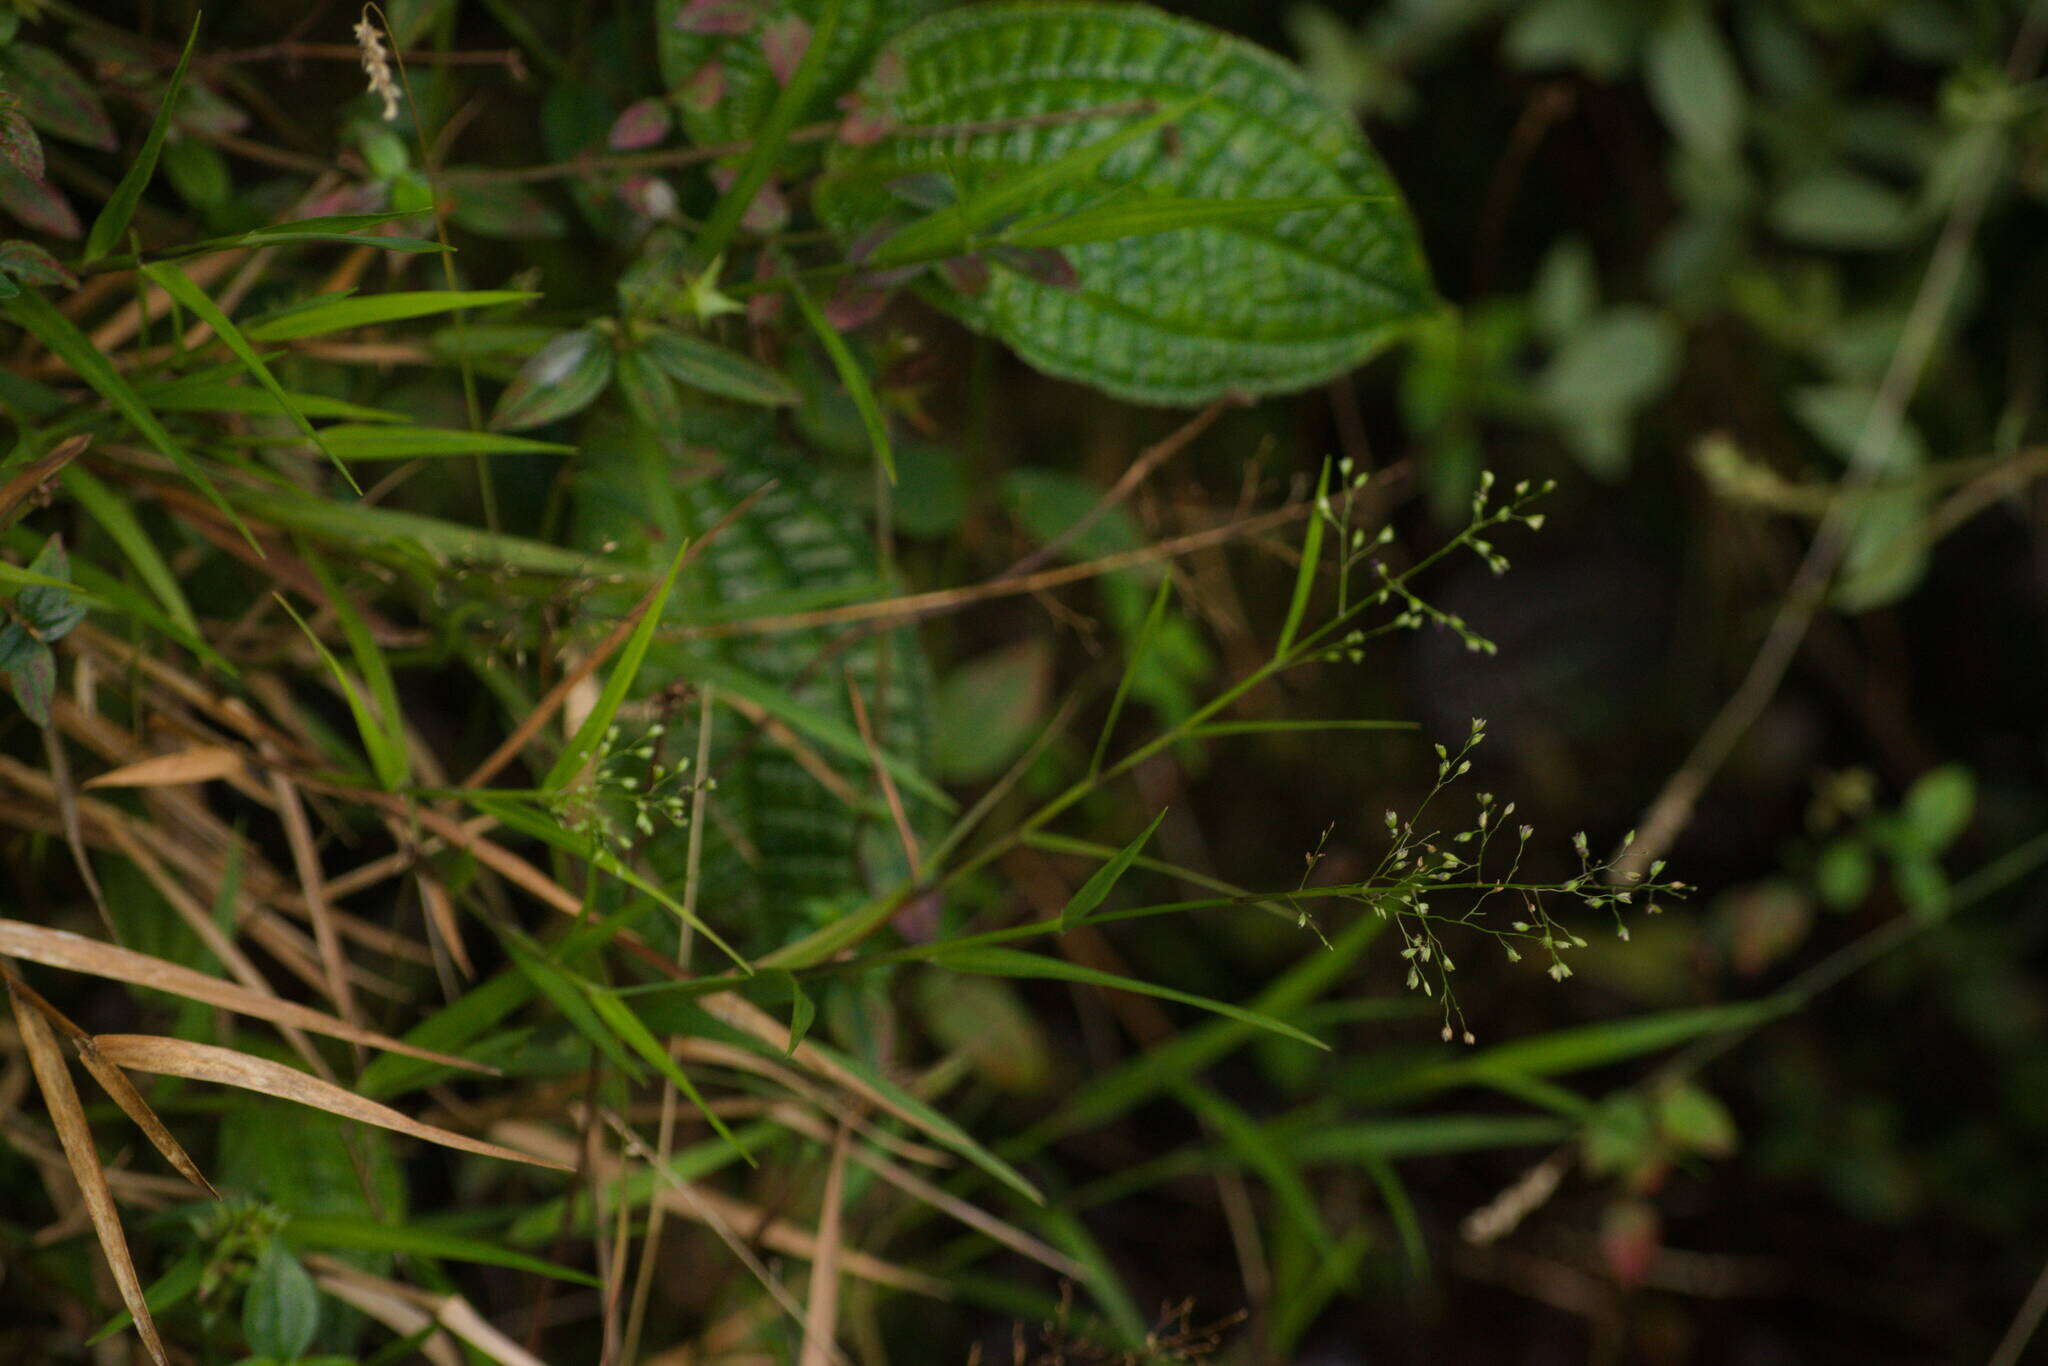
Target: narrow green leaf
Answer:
pixel 1000 962
pixel 317 318
pixel 935 1125
pixel 36 314
pixel 212 393
pixel 391 759
pixel 179 286
pixel 364 1235
pixel 118 520
pixel 1305 577
pixel 619 1017
pixel 768 139
pixel 1134 657
pixel 112 224
pixel 1255 1147
pixel 387 756
pixel 172 1288
pixel 1104 879
pixel 585 741
pixel 850 374
pixel 351 441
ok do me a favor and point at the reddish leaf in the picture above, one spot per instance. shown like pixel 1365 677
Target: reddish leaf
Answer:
pixel 644 124
pixel 37 204
pixel 19 145
pixel 783 44
pixel 55 98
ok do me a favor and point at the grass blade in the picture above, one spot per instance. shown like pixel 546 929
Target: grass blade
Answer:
pixel 591 733
pixel 53 1078
pixel 1104 879
pixel 998 962
pixel 118 520
pixel 319 317
pixel 112 223
pixel 226 1067
pixel 76 953
pixel 850 374
pixel 179 286
pixel 1305 577
pixel 36 315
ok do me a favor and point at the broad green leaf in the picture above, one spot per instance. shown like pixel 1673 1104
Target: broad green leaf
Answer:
pixel 317 318
pixel 650 394
pixel 699 364
pixel 112 224
pixel 1156 213
pixel 985 711
pixel 281 1307
pixel 1938 806
pixel 1843 210
pixel 954 226
pixel 1186 315
pixel 1693 81
pixel 563 378
pixel 1104 879
pixel 1000 962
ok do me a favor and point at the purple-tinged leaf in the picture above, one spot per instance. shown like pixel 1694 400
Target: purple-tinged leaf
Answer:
pixel 783 44
pixel 35 683
pixel 55 98
pixel 19 145
pixel 718 18
pixel 643 124
pixel 38 204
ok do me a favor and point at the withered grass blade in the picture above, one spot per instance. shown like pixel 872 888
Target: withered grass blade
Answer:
pixel 46 1059
pixel 76 953
pixel 199 764
pixel 227 1067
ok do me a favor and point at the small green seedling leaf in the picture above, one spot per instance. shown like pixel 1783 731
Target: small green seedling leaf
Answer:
pixel 281 1309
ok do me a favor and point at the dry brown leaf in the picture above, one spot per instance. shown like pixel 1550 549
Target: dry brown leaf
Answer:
pixel 454 1313
pixel 76 953
pixel 199 764
pixel 113 1081
pixel 821 1317
pixel 225 1066
pixel 47 1058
